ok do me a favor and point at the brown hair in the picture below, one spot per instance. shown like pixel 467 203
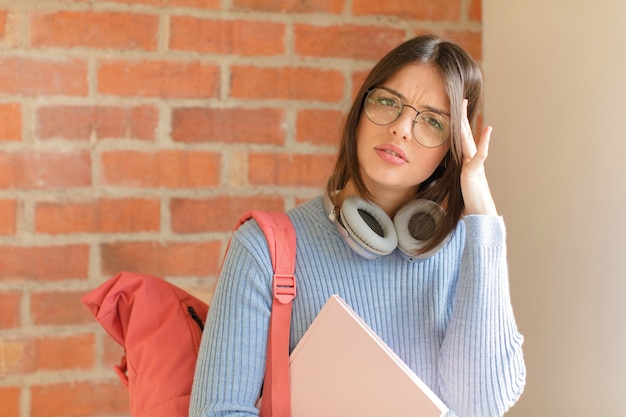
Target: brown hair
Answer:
pixel 462 79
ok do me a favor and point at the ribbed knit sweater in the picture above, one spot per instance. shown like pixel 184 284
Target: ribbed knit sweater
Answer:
pixel 449 317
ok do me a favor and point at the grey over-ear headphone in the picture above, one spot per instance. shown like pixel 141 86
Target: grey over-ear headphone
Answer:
pixel 371 233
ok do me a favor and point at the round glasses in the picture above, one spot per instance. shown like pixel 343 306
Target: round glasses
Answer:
pixel 430 129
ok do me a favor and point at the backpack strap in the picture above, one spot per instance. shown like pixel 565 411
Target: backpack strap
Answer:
pixel 281 239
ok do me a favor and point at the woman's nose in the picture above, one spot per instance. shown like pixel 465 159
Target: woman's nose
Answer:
pixel 403 125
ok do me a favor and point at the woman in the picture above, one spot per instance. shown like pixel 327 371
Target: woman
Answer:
pixel 434 285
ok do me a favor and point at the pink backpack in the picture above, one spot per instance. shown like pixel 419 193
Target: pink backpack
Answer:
pixel 160 327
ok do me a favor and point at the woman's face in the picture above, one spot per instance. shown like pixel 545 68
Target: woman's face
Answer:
pixel 392 162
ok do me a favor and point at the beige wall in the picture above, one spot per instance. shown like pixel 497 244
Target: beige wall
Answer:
pixel 555 75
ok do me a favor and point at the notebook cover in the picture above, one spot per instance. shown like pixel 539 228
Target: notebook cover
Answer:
pixel 341 368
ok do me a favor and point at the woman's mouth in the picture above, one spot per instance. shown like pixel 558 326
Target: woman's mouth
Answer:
pixel 392 154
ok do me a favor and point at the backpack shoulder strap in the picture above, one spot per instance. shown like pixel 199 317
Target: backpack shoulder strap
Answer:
pixel 281 239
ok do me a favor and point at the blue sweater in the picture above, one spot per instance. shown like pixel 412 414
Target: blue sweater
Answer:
pixel 448 317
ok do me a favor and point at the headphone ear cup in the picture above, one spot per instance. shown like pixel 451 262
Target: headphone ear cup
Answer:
pixel 416 224
pixel 369 227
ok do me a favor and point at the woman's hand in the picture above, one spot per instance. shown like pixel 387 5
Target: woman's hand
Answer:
pixel 474 185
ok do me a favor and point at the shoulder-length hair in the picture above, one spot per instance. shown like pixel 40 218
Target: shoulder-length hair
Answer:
pixel 462 79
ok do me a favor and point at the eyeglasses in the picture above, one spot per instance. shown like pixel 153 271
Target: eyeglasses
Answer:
pixel 383 107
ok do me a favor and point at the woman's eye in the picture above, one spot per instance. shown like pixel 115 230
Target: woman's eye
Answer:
pixel 434 122
pixel 388 102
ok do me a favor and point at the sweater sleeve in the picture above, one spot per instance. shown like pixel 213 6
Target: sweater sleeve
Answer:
pixel 481 369
pixel 231 361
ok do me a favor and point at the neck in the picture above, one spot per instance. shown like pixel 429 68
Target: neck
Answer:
pixel 392 202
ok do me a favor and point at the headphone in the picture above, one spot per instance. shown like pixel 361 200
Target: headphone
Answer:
pixel 371 233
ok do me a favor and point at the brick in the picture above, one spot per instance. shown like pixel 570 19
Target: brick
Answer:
pixel 468 40
pixel 59 308
pixel 475 12
pixel 112 351
pixel 300 200
pixel 77 399
pixel 290 6
pixel 202 291
pixel 45 169
pixel 61 353
pixel 444 10
pixel 10 122
pixel 164 79
pixel 44 263
pixel 10 309
pixel 358 77
pixel 218 213
pixel 162 258
pixel 319 127
pixel 16 356
pixel 97 122
pixel 25 355
pixel 296 83
pixel 234 37
pixel 201 124
pixel 3 22
pixel 166 168
pixel 43 76
pixel 104 215
pixel 11 35
pixel 290 170
pixel 10 400
pixel 346 41
pixel 236 170
pixel 199 4
pixel 8 217
pixel 94 29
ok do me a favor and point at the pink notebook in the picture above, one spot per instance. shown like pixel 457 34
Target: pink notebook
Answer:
pixel 341 368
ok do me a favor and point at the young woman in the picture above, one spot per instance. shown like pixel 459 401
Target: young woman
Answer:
pixel 407 233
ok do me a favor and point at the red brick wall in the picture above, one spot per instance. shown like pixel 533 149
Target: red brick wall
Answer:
pixel 133 133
